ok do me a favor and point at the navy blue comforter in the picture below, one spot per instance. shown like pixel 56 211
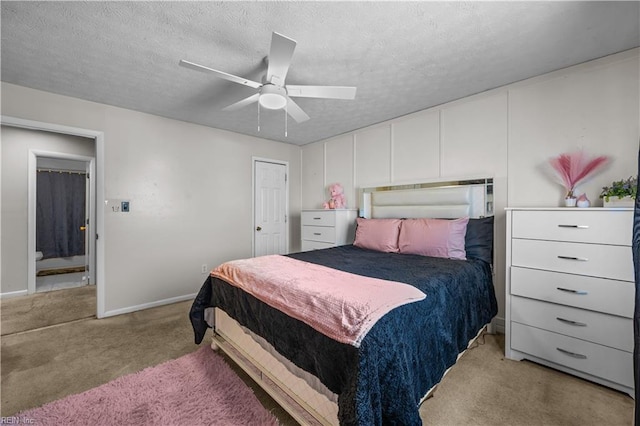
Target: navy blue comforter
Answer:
pixel 401 357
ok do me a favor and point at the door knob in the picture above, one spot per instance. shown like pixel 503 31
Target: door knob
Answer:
pixel 258 229
pixel 83 228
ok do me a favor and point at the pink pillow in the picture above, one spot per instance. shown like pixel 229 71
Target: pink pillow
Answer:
pixel 434 237
pixel 378 234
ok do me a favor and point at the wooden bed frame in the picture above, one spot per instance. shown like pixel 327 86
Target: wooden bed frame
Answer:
pixel 302 395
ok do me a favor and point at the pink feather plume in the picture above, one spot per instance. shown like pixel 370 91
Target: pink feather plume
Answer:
pixel 574 167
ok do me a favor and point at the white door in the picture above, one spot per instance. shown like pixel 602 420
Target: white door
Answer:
pixel 89 227
pixel 270 208
pixel 85 227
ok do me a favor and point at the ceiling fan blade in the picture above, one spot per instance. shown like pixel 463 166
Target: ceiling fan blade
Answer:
pixel 279 58
pixel 295 111
pixel 242 103
pixel 220 74
pixel 330 92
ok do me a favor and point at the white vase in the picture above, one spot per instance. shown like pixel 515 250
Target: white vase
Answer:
pixel 619 202
pixel 570 202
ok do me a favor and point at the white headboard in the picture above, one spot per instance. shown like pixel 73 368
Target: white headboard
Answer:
pixel 444 199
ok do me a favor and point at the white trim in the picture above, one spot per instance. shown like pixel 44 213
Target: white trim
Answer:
pixel 392 129
pixel 11 294
pixel 324 165
pixel 354 188
pixel 149 305
pixel 498 325
pixel 255 160
pixel 440 143
pixel 32 165
pixel 98 136
pixel 93 210
pixel 354 145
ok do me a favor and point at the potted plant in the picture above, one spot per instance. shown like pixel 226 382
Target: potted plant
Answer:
pixel 621 193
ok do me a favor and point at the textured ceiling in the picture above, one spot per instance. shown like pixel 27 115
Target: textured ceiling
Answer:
pixel 402 56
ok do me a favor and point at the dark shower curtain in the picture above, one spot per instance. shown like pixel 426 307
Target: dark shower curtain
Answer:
pixel 636 314
pixel 60 212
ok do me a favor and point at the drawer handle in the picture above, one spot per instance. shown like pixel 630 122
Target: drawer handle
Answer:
pixel 317 233
pixel 317 218
pixel 574 226
pixel 576 323
pixel 568 290
pixel 581 259
pixel 572 354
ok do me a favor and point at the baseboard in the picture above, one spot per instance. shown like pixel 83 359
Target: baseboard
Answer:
pixel 155 304
pixel 498 325
pixel 11 294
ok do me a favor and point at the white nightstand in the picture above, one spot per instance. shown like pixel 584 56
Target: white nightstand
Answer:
pixel 327 228
pixel 570 291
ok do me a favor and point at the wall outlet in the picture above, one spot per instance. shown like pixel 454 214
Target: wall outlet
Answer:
pixel 204 269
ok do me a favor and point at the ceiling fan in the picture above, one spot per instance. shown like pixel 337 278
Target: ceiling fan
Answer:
pixel 273 93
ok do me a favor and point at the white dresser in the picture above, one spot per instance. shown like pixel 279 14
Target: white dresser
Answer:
pixel 327 228
pixel 570 291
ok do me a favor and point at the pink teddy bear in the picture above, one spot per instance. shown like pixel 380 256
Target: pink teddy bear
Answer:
pixel 338 200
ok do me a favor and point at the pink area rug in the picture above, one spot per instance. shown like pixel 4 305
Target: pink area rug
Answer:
pixel 196 389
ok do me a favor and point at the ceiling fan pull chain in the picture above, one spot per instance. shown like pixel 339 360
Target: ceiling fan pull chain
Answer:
pixel 258 116
pixel 286 112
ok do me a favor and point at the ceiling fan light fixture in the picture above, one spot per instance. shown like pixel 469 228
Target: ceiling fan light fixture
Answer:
pixel 272 93
pixel 272 97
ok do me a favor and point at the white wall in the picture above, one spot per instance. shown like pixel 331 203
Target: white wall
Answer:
pixel 508 133
pixel 14 150
pixel 594 106
pixel 189 187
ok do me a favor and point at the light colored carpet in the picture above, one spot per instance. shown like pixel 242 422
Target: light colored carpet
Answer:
pixel 183 391
pixel 48 364
pixel 39 310
pixel 482 389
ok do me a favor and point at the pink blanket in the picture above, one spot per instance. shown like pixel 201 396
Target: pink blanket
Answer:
pixel 340 305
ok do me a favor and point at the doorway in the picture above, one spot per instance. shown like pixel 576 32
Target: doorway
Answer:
pixel 97 171
pixel 270 207
pixel 64 253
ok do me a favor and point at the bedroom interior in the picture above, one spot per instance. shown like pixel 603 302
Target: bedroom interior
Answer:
pixel 277 357
pixel 484 388
pixel 185 166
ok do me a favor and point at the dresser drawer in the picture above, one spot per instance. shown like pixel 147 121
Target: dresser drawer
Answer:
pixel 600 361
pixel 319 218
pixel 589 226
pixel 319 233
pixel 606 261
pixel 596 294
pixel 608 330
pixel 315 245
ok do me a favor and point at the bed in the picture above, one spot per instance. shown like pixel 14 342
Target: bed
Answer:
pixel 383 375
